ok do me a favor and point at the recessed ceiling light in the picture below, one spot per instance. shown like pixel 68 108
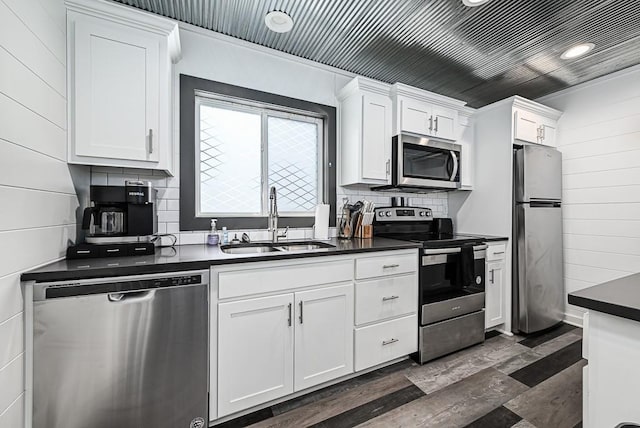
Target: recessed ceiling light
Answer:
pixel 278 21
pixel 577 50
pixel 474 3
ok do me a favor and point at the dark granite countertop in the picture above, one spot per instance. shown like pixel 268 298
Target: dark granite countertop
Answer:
pixel 486 238
pixel 620 297
pixel 192 257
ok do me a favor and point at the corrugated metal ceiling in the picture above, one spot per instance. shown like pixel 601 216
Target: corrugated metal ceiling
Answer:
pixel 480 55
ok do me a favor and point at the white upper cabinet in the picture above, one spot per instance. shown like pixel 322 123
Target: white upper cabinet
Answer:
pixel 425 113
pixel 534 123
pixel 120 64
pixel 365 133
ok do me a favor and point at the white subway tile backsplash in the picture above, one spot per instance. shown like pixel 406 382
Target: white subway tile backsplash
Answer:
pixel 167 216
pixel 173 205
pixel 169 202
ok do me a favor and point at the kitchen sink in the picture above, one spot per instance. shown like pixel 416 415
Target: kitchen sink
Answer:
pixel 248 248
pixel 303 246
pixel 268 247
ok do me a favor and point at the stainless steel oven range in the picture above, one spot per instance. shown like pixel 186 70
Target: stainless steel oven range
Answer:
pixel 452 279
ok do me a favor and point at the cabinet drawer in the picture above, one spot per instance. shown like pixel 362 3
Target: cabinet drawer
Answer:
pixel 384 298
pixel 388 264
pixel 282 277
pixel 496 252
pixel 383 342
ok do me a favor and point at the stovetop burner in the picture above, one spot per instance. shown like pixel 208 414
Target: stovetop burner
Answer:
pixel 416 224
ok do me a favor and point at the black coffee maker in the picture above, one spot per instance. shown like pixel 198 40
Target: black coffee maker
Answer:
pixel 122 220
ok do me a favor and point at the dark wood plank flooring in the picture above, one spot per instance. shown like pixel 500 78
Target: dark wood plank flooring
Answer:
pixel 519 382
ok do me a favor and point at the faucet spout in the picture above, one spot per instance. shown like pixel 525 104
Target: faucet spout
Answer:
pixel 273 214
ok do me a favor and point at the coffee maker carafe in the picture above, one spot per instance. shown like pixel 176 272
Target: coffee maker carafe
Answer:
pixel 121 214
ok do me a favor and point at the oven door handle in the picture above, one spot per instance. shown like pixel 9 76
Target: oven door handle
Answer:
pixel 432 251
pixel 454 156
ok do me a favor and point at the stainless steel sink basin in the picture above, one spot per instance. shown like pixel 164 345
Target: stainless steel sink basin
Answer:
pixel 248 248
pixel 268 247
pixel 303 246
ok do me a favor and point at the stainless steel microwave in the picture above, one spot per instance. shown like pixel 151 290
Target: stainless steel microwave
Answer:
pixel 423 163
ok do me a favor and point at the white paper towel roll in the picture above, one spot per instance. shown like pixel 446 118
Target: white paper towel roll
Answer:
pixel 321 227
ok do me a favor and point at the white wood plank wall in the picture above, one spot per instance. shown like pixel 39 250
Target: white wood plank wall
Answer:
pixel 599 136
pixel 38 197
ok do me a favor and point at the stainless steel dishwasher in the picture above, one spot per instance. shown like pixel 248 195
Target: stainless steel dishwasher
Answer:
pixel 124 352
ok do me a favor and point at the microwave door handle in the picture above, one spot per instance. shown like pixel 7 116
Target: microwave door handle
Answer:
pixel 455 166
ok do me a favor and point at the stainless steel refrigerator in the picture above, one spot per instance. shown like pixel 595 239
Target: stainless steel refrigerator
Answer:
pixel 538 276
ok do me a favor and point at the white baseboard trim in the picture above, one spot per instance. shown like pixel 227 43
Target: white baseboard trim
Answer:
pixel 573 320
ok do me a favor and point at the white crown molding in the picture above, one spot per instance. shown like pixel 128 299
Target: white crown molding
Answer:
pixel 591 83
pixel 133 17
pixel 524 103
pixel 400 89
pixel 363 83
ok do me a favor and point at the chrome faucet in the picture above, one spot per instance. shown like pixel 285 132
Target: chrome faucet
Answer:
pixel 273 216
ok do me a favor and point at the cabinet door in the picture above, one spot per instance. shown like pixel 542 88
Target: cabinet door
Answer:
pixel 494 312
pixel 444 122
pixel 255 352
pixel 376 137
pixel 548 132
pixel 116 93
pixel 526 126
pixel 416 117
pixel 323 335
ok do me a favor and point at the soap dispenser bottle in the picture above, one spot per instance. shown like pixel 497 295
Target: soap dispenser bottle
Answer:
pixel 213 238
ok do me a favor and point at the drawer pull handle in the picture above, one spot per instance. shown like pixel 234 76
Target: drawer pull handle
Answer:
pixel 83 252
pixel 289 320
pixel 390 266
pixel 384 299
pixel 301 306
pixel 113 250
pixel 389 342
pixel 499 252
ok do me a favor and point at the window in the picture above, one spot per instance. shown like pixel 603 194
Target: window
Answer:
pixel 235 143
pixel 243 149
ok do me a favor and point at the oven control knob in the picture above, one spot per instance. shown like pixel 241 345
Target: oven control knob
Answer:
pixel 388 213
pixel 478 280
pixel 422 213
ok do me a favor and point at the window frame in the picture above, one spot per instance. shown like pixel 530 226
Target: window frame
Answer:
pixel 193 87
pixel 265 111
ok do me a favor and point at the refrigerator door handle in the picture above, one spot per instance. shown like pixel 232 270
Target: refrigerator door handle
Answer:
pixel 455 166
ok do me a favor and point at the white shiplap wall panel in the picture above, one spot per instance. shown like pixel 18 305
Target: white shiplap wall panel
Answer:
pixel 605 212
pixel 40 22
pixel 624 228
pixel 35 181
pixel 612 177
pixel 606 162
pixel 20 248
pixel 20 42
pixel 599 135
pixel 604 195
pixel 23 85
pixel 13 417
pixel 20 167
pixel 11 299
pixel 59 208
pixel 615 261
pixel 11 379
pixel 43 136
pixel 11 335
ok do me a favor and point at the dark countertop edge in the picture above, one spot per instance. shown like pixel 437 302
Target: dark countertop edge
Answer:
pixel 91 273
pixel 605 307
pixel 486 238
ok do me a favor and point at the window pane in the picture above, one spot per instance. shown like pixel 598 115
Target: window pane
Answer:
pixel 230 161
pixel 293 163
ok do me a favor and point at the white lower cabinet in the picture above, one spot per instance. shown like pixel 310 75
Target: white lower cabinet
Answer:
pixel 323 335
pixel 495 283
pixel 255 352
pixel 385 341
pixel 286 326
